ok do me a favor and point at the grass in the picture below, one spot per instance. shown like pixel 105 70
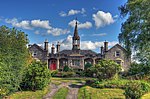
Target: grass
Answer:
pixel 146 96
pixel 58 81
pixel 94 93
pixel 29 94
pixel 61 94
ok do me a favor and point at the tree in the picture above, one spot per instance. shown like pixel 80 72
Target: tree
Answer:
pixel 105 69
pixel 13 58
pixel 37 76
pixel 135 31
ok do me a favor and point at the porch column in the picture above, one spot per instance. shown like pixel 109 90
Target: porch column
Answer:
pixel 58 63
pixel 93 61
pixel 83 63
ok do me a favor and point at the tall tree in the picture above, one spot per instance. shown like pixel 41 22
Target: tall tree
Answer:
pixel 135 31
pixel 14 56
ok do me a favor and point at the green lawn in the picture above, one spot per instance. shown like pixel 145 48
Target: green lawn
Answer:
pixel 61 94
pixel 94 93
pixel 29 94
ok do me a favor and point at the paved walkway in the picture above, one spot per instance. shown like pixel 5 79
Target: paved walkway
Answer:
pixel 54 89
pixel 73 90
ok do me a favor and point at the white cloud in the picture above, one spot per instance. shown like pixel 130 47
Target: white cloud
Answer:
pixel 86 25
pixel 72 12
pixel 57 31
pixel 23 24
pixel 102 19
pixel 67 44
pixel 101 34
pixel 37 25
pixel 41 24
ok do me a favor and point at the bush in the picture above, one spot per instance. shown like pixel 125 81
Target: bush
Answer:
pixel 54 73
pixel 134 90
pixel 105 69
pixel 37 76
pixel 66 68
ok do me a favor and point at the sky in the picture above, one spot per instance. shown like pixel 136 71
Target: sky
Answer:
pixel 98 20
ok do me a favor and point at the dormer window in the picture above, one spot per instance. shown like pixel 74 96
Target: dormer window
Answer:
pixel 117 53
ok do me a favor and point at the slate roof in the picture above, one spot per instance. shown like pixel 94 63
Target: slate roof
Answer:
pixel 82 52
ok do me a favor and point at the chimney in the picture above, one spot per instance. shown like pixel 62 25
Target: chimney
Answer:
pixel 46 45
pixel 58 47
pixel 102 49
pixel 105 46
pixel 53 49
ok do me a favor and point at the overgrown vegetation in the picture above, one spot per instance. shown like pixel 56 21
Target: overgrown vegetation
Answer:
pixel 37 76
pixel 94 93
pixel 14 57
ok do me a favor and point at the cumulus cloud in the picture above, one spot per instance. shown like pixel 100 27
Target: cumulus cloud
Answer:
pixel 85 25
pixel 25 24
pixel 100 34
pixel 41 24
pixel 57 31
pixel 38 26
pixel 72 12
pixel 67 44
pixel 102 19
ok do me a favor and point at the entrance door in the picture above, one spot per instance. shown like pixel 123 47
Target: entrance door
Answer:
pixel 53 65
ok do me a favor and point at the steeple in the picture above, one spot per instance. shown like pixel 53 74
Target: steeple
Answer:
pixel 76 38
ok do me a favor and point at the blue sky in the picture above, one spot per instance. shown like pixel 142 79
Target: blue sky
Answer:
pixel 98 20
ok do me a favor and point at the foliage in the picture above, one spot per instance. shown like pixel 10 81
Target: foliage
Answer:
pixel 61 94
pixel 66 68
pixel 38 94
pixel 87 65
pixel 110 84
pixel 105 69
pixel 87 92
pixel 13 58
pixel 135 34
pixel 134 90
pixel 54 73
pixel 37 76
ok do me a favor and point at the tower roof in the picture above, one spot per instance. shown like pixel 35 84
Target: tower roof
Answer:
pixel 76 36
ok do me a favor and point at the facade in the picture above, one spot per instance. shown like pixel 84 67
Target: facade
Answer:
pixel 77 58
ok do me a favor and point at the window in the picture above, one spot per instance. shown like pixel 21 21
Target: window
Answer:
pixel 118 62
pixel 117 53
pixel 76 62
pixel 34 53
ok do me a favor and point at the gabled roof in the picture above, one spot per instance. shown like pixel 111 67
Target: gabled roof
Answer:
pixel 118 45
pixel 38 47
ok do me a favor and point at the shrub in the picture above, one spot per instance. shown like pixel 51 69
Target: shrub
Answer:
pixel 54 73
pixel 105 69
pixel 66 68
pixel 134 90
pixel 37 76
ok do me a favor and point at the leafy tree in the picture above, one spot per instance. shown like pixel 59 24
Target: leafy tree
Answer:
pixel 13 57
pixel 66 68
pixel 135 31
pixel 37 76
pixel 105 69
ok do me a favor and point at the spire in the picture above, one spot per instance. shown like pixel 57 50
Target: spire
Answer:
pixel 76 36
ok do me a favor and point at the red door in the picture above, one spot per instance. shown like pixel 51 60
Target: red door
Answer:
pixel 53 66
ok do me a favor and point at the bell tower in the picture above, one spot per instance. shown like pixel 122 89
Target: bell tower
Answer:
pixel 76 39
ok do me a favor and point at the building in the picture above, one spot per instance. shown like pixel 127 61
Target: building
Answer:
pixel 77 58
